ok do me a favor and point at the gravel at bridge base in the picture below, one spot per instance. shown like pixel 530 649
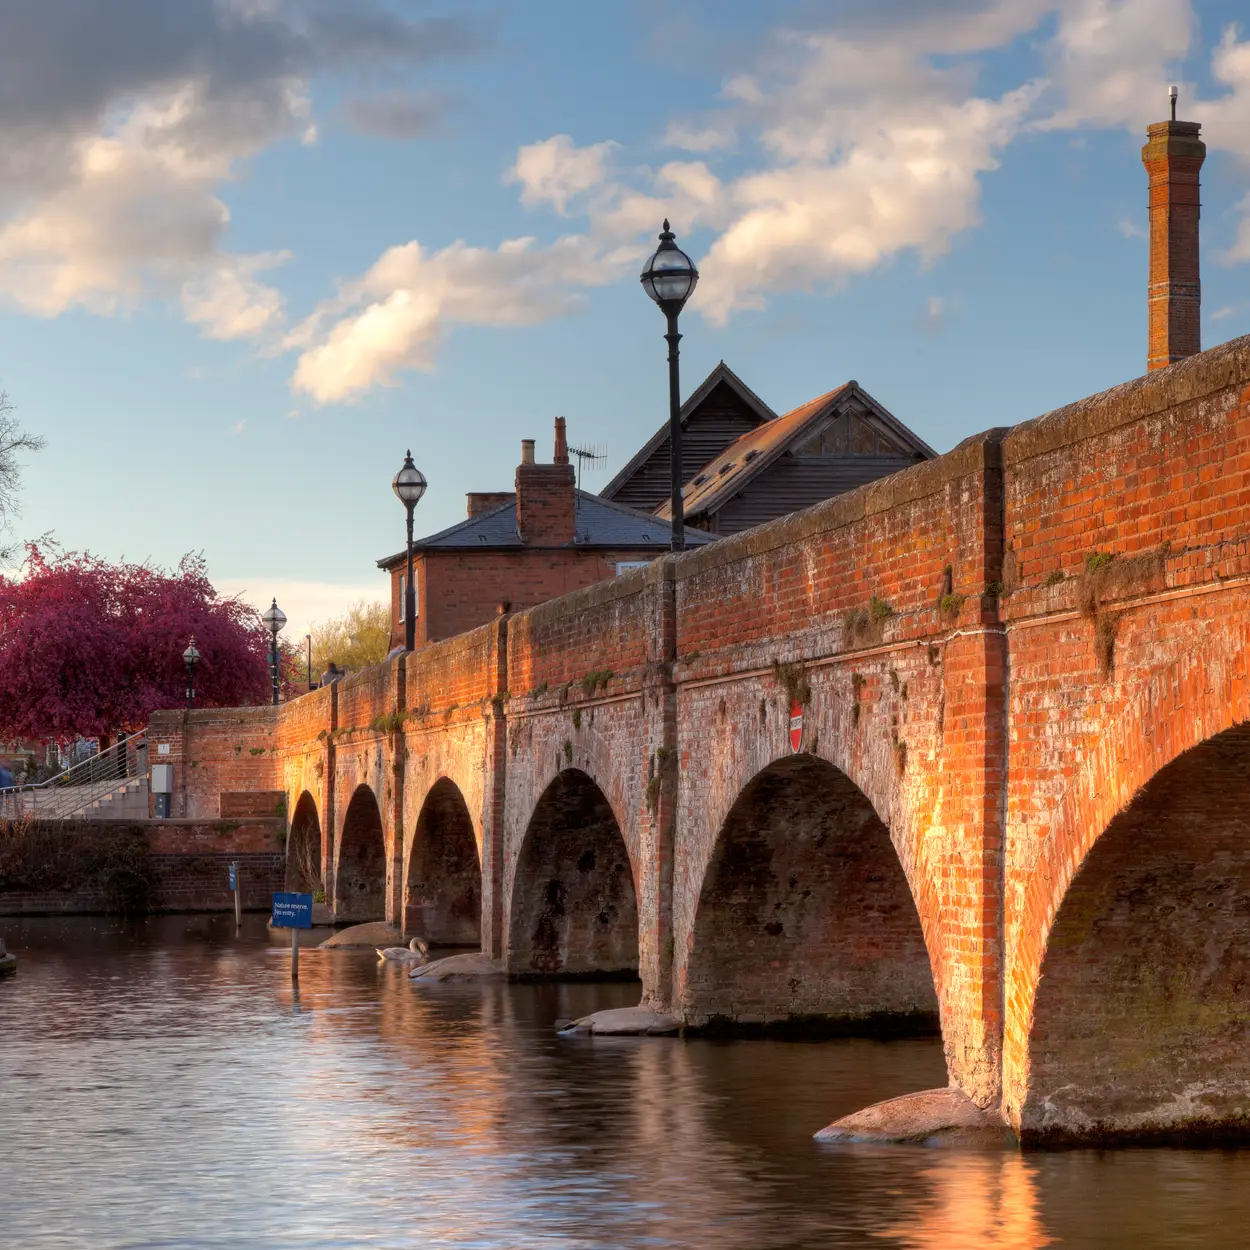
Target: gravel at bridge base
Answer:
pixel 932 1116
pixel 375 933
pixel 470 966
pixel 625 1022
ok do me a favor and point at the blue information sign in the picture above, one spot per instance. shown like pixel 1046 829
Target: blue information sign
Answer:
pixel 234 875
pixel 292 911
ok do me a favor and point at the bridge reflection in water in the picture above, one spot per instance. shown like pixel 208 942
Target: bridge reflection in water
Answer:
pixel 168 1089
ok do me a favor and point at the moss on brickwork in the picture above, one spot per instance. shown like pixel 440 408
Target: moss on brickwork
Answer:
pixel 793 677
pixel 596 680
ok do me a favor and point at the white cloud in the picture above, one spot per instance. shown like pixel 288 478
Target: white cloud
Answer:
pixel 238 427
pixel 1130 229
pixel 119 142
pixel 393 317
pixel 228 301
pixel 869 149
pixel 1109 61
pixel 711 137
pixel 135 212
pixel 555 171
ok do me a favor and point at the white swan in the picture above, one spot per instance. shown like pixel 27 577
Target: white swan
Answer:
pixel 401 954
pixel 416 952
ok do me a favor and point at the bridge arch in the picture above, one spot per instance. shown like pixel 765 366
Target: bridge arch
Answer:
pixel 574 906
pixel 360 865
pixel 1126 972
pixel 304 852
pixel 443 880
pixel 805 916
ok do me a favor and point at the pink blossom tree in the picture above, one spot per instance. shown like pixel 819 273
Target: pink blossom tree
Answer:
pixel 91 648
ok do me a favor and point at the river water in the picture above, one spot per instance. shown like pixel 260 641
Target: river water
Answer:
pixel 162 1086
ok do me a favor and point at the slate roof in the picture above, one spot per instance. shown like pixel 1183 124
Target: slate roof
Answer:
pixel 722 373
pixel 745 458
pixel 600 524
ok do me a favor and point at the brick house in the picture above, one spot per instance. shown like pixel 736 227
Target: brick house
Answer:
pixel 521 548
pixel 744 465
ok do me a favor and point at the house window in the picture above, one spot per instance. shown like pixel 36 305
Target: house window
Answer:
pixel 403 598
pixel 623 566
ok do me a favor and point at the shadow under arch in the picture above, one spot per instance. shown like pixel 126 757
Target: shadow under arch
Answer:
pixel 574 905
pixel 360 866
pixel 443 890
pixel 805 920
pixel 304 872
pixel 1141 1019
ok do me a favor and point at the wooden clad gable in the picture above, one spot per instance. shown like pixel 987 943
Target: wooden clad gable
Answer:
pixel 716 415
pixel 824 448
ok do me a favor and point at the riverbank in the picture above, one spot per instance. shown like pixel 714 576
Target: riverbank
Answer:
pixel 93 868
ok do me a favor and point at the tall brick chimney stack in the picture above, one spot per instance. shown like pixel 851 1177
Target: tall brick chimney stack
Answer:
pixel 1173 155
pixel 545 514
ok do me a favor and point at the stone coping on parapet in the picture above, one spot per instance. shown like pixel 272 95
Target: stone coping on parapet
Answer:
pixel 174 718
pixel 921 481
pixel 1187 381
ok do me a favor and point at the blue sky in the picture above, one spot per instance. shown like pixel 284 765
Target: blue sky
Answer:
pixel 252 250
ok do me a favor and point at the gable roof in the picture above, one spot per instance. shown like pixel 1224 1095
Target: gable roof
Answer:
pixel 746 458
pixel 722 373
pixel 600 524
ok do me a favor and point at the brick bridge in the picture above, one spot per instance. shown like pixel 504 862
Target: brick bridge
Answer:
pixel 1020 809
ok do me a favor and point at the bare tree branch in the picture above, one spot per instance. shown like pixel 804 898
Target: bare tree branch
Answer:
pixel 13 441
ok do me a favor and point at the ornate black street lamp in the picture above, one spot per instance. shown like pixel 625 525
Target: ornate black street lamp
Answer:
pixel 275 619
pixel 409 485
pixel 669 277
pixel 191 657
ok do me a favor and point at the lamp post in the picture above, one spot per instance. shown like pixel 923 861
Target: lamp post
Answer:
pixel 669 277
pixel 409 485
pixel 191 657
pixel 275 618
pixel 308 642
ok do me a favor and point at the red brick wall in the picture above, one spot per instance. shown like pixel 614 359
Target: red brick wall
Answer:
pixel 1147 963
pixel 805 917
pixel 1157 474
pixel 460 591
pixel 544 503
pixel 215 750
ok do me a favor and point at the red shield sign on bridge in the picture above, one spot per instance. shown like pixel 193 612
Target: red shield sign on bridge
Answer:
pixel 796 725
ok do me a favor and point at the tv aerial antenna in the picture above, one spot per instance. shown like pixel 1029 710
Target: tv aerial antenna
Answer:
pixel 588 457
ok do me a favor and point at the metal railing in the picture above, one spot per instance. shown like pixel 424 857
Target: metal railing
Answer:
pixel 71 792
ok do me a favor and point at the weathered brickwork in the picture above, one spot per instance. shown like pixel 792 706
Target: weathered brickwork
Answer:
pixel 993 653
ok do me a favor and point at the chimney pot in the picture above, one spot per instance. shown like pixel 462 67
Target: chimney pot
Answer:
pixel 527 451
pixel 561 455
